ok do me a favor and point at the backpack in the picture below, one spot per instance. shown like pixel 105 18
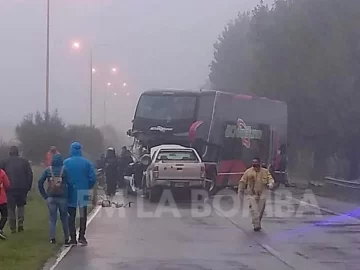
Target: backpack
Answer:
pixel 56 186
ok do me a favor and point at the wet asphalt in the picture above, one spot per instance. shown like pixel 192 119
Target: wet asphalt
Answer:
pixel 196 235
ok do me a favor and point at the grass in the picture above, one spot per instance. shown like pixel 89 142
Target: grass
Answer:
pixel 30 249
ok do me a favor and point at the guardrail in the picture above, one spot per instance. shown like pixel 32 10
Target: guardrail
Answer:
pixel 342 183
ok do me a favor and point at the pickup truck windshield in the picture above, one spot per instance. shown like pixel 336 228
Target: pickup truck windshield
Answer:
pixel 176 155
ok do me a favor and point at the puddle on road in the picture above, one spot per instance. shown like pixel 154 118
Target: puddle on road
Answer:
pixel 185 264
pixel 332 225
pixel 276 220
pixel 344 232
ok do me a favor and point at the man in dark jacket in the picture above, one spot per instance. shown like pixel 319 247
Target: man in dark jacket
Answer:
pixel 20 174
pixel 125 160
pixel 111 171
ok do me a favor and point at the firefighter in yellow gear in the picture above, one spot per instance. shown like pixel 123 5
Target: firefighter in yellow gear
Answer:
pixel 254 184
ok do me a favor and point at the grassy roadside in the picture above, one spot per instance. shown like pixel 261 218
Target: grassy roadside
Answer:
pixel 30 249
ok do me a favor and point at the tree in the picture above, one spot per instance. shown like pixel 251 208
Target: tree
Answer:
pixel 304 52
pixel 37 135
pixel 228 73
pixel 90 137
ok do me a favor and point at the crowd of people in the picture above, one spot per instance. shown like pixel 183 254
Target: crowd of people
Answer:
pixel 67 188
pixel 115 168
pixel 68 183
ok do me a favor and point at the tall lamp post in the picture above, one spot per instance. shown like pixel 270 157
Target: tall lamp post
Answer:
pixel 76 45
pixel 109 84
pixel 105 101
pixel 91 88
pixel 47 61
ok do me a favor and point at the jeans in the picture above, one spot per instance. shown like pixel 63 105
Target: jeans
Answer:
pixel 4 215
pixel 16 201
pixel 72 220
pixel 55 204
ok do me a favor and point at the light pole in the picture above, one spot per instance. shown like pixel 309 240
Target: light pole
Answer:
pixel 91 88
pixel 47 61
pixel 76 45
pixel 105 101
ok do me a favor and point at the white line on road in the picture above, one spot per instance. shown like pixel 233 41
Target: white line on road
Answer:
pixel 269 249
pixel 66 250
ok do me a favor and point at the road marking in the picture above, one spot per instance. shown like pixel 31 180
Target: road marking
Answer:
pixel 269 249
pixel 65 250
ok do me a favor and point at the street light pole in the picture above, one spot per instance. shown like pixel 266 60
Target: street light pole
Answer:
pixel 47 61
pixel 91 88
pixel 105 110
pixel 105 102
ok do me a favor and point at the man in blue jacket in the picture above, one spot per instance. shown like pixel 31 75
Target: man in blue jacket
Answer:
pixel 82 178
pixel 56 196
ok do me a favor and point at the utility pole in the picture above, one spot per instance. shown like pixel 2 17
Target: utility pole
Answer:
pixel 91 88
pixel 47 61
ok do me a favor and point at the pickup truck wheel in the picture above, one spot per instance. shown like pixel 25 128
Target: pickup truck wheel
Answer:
pixel 154 194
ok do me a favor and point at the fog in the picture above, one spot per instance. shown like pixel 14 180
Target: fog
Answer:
pixel 152 43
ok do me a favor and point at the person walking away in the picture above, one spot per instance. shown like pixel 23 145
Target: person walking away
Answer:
pixel 56 196
pixel 125 160
pixel 49 155
pixel 82 178
pixel 20 175
pixel 111 171
pixel 4 185
pixel 100 166
pixel 254 183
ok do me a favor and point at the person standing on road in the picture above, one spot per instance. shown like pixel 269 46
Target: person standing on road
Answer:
pixel 111 171
pixel 56 196
pixel 4 185
pixel 20 174
pixel 254 183
pixel 82 178
pixel 125 160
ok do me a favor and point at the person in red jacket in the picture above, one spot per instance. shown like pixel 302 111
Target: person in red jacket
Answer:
pixel 4 185
pixel 49 155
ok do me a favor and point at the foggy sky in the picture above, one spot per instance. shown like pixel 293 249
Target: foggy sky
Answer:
pixel 153 43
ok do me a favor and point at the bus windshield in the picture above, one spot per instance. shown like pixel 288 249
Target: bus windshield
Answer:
pixel 166 107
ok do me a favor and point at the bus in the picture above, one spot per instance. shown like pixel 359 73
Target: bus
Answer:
pixel 228 130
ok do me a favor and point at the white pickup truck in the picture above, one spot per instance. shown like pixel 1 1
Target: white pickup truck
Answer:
pixel 173 166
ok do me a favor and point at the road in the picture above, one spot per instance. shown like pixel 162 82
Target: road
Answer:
pixel 202 236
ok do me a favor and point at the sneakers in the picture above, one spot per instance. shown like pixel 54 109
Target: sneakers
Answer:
pixel 67 243
pixel 53 241
pixel 257 229
pixel 82 241
pixel 2 235
pixel 72 242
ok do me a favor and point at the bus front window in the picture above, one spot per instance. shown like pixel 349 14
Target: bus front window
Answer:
pixel 166 107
